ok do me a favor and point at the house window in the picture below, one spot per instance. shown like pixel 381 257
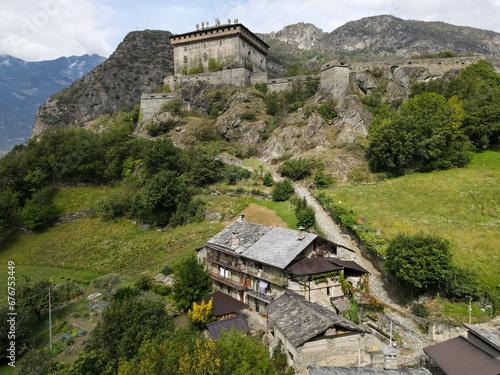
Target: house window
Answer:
pixel 224 273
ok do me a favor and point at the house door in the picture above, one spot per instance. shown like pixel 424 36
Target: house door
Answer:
pixel 241 297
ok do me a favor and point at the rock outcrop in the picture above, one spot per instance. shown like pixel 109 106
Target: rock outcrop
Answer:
pixel 139 64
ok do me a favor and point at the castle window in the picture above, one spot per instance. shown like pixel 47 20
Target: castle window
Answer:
pixel 205 57
pixel 185 59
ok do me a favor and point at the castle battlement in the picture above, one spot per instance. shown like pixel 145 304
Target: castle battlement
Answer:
pixel 231 46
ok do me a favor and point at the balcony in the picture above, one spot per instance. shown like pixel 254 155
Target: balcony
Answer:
pixel 262 297
pixel 226 281
pixel 265 276
pixel 234 265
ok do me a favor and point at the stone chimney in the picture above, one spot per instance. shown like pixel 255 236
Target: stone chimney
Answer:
pixel 235 21
pixel 235 240
pixel 242 217
pixel 217 22
pixel 207 24
pixel 301 233
pixel 203 25
pixel 229 21
pixel 197 26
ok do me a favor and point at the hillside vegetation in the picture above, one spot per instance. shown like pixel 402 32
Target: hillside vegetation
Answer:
pixel 461 205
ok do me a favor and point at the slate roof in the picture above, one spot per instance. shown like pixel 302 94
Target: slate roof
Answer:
pixel 274 246
pixel 301 320
pixel 223 304
pixel 238 322
pixel 490 336
pixel 327 370
pixel 459 357
pixel 311 266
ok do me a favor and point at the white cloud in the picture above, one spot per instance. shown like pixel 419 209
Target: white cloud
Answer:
pixel 48 29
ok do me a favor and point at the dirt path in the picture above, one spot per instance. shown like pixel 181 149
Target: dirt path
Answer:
pixel 413 340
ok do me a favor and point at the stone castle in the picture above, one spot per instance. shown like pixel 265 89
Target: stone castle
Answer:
pixel 231 54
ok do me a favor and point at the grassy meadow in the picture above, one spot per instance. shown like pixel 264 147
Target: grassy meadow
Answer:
pixel 461 205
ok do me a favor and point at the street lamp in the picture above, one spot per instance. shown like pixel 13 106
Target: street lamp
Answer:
pixel 359 349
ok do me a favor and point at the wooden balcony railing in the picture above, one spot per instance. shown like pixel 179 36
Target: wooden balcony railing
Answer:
pixel 226 281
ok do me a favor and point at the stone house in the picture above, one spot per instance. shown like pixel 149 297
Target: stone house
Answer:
pixel 256 263
pixel 311 333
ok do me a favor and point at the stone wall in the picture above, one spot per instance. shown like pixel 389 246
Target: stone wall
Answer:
pixel 284 84
pixel 241 76
pixel 436 67
pixel 337 77
pixel 151 103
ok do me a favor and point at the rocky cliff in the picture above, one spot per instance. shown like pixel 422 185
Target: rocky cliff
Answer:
pixel 302 35
pixel 139 64
pixel 144 58
pixel 384 36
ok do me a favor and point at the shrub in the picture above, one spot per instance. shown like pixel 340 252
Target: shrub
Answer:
pixel 296 169
pixel 125 293
pixel 155 129
pixel 283 190
pixel 162 290
pixel 262 87
pixel 420 310
pixel 166 270
pixel 327 111
pixel 249 116
pixel 306 217
pixel 215 65
pixel 233 174
pixel 40 210
pixel 143 282
pixel 419 263
pixel 268 179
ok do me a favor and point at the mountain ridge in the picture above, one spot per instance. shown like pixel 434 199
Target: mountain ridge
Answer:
pixel 25 85
pixel 144 58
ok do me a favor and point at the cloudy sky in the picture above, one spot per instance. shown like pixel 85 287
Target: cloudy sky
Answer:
pixel 46 29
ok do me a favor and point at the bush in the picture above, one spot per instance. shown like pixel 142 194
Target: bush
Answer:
pixel 327 111
pixel 283 190
pixel 233 174
pixel 215 65
pixel 420 310
pixel 166 270
pixel 116 203
pixel 262 87
pixel 40 210
pixel 155 129
pixel 268 179
pixel 296 169
pixel 306 217
pixel 125 293
pixel 419 263
pixel 144 282
pixel 162 290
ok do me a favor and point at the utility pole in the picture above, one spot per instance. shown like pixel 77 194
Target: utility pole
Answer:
pixel 50 322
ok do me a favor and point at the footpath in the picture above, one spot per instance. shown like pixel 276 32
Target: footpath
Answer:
pixel 412 338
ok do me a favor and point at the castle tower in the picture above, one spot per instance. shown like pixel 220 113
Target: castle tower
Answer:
pixel 231 44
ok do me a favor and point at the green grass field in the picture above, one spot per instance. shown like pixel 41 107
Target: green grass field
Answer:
pixel 461 205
